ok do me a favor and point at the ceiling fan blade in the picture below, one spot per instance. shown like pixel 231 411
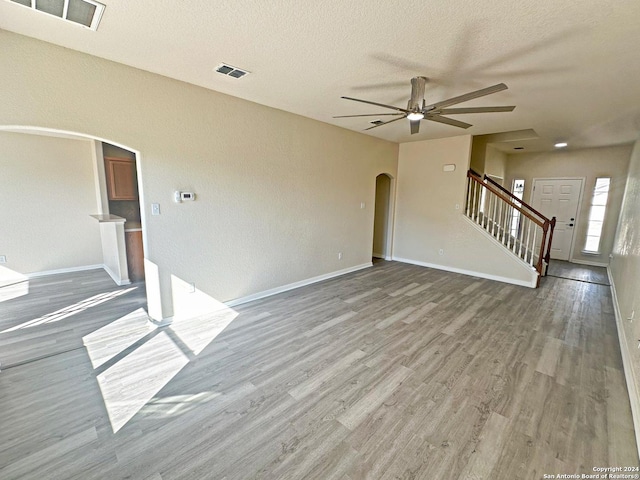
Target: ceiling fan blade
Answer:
pixel 415 126
pixel 448 121
pixel 456 111
pixel 469 96
pixel 380 124
pixel 377 104
pixel 367 115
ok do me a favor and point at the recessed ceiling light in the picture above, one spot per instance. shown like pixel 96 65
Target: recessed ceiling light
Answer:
pixel 415 116
pixel 561 144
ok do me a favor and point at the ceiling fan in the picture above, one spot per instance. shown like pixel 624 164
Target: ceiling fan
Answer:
pixel 417 109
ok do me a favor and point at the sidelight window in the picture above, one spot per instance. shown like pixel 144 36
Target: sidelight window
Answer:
pixel 596 215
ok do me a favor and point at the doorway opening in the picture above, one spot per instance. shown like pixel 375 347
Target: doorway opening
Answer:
pixel 382 221
pixel 110 215
pixel 123 200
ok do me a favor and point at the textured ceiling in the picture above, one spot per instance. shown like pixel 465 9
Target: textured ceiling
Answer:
pixel 572 66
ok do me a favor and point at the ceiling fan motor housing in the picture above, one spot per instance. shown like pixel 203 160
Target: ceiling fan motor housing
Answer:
pixel 416 102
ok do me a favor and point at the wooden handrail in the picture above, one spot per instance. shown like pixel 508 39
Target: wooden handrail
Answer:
pixel 496 184
pixel 542 223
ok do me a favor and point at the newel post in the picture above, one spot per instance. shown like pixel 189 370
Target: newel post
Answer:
pixel 547 257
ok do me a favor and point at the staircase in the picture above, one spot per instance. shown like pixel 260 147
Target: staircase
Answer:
pixel 520 228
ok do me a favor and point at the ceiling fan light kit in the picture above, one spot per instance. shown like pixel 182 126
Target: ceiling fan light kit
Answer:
pixel 418 110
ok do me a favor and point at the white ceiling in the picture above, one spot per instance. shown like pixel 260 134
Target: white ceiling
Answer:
pixel 572 66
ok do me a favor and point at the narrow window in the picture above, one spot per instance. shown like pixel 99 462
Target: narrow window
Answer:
pixel 518 192
pixel 596 215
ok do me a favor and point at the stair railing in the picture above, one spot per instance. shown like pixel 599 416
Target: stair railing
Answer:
pixel 514 223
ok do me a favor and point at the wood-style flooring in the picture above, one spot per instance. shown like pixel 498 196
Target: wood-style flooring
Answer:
pixel 396 371
pixel 574 271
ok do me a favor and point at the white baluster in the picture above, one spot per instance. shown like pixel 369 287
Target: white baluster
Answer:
pixel 499 236
pixel 533 245
pixel 520 232
pixel 490 214
pixel 473 196
pixel 469 182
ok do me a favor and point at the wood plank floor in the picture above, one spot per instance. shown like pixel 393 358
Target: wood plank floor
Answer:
pixel 396 371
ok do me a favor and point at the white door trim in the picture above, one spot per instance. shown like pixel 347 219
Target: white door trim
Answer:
pixel 580 196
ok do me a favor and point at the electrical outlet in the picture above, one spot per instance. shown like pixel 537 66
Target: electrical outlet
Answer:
pixel 339 255
pixel 155 209
pixel 3 259
pixel 362 205
pixel 192 288
pixel 441 252
pixel 457 206
pixel 633 314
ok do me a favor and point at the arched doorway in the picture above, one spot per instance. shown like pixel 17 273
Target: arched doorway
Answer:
pixel 116 260
pixel 382 221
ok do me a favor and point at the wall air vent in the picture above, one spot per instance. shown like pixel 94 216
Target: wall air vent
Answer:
pixel 86 13
pixel 230 71
pixel 376 122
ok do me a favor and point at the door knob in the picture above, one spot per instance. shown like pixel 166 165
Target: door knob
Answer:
pixel 571 224
pixel 572 219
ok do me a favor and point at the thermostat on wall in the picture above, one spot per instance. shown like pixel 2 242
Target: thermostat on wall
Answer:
pixel 179 197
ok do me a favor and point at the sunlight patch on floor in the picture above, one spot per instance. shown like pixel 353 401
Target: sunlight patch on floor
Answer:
pixel 112 339
pixel 70 310
pixel 12 284
pixel 130 383
pixel 140 358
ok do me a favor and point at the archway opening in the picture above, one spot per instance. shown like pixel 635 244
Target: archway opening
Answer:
pixel 382 218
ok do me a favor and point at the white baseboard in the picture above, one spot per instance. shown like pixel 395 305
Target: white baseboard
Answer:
pixel 629 374
pixel 291 286
pixel 64 270
pixel 512 281
pixel 115 277
pixel 588 262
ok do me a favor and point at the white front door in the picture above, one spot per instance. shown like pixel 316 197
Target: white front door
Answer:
pixel 559 198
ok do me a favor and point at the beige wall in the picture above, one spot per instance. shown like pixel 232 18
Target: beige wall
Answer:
pixel 495 163
pixel 478 153
pixel 47 193
pixel 427 219
pixel 589 164
pixel 625 274
pixel 278 195
pixel 487 159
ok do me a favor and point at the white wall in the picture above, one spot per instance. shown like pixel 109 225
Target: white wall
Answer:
pixel 427 219
pixel 625 275
pixel 278 195
pixel 47 193
pixel 589 164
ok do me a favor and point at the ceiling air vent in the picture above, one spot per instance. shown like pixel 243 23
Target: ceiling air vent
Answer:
pixel 376 122
pixel 81 12
pixel 230 71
